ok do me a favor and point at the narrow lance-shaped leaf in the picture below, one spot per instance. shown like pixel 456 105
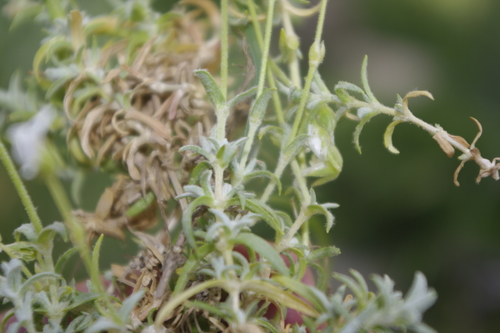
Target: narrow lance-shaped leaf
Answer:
pixel 187 223
pixel 364 80
pixel 324 252
pixel 294 147
pixel 263 248
pixel 264 211
pixel 198 150
pixel 190 265
pixel 359 127
pixel 213 91
pixel 259 108
pixel 317 209
pixel 198 171
pixel 388 136
pixel 263 173
pixel 241 97
pixel 286 298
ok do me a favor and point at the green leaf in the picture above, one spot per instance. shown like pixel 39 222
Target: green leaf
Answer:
pixel 81 298
pixel 198 150
pixel 213 91
pixel 190 265
pixel 259 107
pixel 187 226
pixel 27 230
pixel 25 251
pixel 242 96
pixel 140 205
pixel 263 248
pixel 264 211
pixel 198 171
pixel 283 297
pixel 320 210
pixel 207 307
pixel 46 50
pixel 95 258
pixel 129 304
pixel 347 86
pixel 263 173
pixel 63 259
pixel 359 127
pixel 360 291
pixel 364 80
pixel 47 234
pixel 266 325
pixel 299 288
pixel 324 252
pixel 37 277
pixel 295 146
pixel 27 14
pixel 275 130
pixel 388 136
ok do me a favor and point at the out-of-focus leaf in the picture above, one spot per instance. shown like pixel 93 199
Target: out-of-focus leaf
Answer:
pixel 263 173
pixel 187 225
pixel 61 262
pixel 263 248
pixel 318 209
pixel 286 298
pixel 324 252
pixel 388 136
pixel 190 265
pixel 359 127
pixel 213 91
pixel 198 171
pixel 364 80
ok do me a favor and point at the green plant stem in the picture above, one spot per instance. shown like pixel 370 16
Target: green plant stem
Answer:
pixel 293 62
pixel 224 48
pixel 20 188
pixel 313 65
pixel 77 236
pixel 292 231
pixel 267 44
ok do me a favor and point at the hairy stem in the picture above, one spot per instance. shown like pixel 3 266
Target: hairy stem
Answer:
pixel 224 48
pixel 20 188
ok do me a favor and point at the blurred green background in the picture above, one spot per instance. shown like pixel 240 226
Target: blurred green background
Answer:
pixel 398 213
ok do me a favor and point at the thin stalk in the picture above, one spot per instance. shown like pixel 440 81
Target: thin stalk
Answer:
pixel 20 188
pixel 77 235
pixel 313 65
pixel 292 231
pixel 224 48
pixel 267 44
pixel 293 62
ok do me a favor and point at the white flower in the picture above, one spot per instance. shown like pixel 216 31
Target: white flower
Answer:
pixel 28 139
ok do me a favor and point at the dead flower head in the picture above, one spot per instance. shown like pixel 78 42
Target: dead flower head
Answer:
pixel 486 168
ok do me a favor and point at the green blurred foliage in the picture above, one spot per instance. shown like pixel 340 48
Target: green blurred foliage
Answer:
pixel 398 213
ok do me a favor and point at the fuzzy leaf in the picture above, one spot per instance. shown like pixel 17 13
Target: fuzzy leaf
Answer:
pixel 364 80
pixel 241 97
pixel 45 50
pixel 388 136
pixel 259 107
pixel 187 225
pixel 324 252
pixel 275 130
pixel 359 127
pixel 129 304
pixel 261 209
pixel 27 230
pixel 317 209
pixel 190 265
pixel 37 277
pixel 95 258
pixel 63 259
pixel 343 85
pixel 198 150
pixel 213 91
pixel 198 171
pixel 284 297
pixel 298 288
pixel 263 248
pixel 47 234
pixel 295 146
pixel 140 205
pixel 263 173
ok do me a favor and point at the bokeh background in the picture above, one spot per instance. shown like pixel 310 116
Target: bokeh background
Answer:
pixel 398 213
